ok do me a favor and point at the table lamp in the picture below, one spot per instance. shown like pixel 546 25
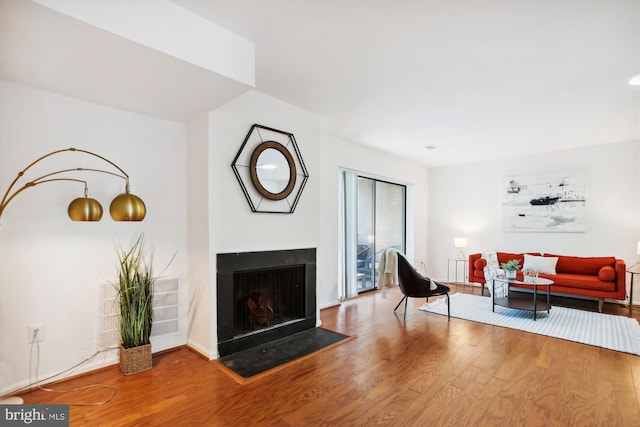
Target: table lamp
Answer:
pixel 460 243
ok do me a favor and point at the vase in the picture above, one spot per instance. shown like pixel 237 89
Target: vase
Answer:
pixel 135 359
pixel 510 274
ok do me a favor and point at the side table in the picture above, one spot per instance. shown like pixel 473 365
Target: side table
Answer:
pixel 632 272
pixel 456 262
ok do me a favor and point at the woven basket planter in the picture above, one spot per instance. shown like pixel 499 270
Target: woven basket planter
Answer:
pixel 136 359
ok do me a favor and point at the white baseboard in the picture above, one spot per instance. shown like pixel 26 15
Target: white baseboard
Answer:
pixel 201 350
pixel 329 305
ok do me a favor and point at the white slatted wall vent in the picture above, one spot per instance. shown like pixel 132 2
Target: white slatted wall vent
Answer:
pixel 165 307
pixel 108 334
pixel 165 312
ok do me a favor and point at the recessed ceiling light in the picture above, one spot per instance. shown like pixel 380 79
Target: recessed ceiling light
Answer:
pixel 635 80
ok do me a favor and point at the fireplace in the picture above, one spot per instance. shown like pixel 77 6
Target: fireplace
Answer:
pixel 263 296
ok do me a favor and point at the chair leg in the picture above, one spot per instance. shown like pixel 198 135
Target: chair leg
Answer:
pixel 448 309
pixel 403 298
pixel 406 301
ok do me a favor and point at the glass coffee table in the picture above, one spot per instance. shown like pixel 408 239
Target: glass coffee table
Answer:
pixel 522 303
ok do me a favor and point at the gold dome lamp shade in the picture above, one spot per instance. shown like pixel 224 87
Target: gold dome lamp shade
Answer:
pixel 85 209
pixel 127 207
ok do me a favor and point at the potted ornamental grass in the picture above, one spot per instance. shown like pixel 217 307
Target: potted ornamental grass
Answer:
pixel 510 268
pixel 135 300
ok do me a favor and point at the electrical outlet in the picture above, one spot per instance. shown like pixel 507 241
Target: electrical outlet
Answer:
pixel 36 333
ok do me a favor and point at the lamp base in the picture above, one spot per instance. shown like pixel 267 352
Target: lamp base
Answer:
pixel 11 400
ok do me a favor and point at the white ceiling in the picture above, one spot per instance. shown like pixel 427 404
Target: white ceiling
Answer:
pixel 478 80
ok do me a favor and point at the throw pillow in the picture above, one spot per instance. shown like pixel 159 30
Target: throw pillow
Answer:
pixel 541 264
pixel 607 274
pixel 480 264
pixel 492 259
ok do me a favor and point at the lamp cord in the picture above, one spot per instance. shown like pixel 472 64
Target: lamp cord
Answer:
pixel 36 344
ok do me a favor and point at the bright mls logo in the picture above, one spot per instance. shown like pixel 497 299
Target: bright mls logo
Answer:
pixel 36 415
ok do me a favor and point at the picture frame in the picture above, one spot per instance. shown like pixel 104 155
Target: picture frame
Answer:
pixel 545 202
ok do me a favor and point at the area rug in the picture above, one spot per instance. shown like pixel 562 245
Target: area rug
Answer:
pixel 266 357
pixel 602 330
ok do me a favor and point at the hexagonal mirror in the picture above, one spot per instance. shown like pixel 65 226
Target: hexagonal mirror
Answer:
pixel 270 170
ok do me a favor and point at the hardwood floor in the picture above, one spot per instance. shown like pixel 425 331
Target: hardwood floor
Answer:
pixel 418 372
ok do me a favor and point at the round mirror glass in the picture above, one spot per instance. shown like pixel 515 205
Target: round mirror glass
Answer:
pixel 272 169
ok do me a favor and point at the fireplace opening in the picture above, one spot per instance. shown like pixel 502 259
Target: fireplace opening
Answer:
pixel 264 296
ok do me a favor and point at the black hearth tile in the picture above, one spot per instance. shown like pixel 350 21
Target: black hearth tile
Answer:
pixel 259 359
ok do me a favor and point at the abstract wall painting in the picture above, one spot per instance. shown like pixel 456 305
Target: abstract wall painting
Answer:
pixel 545 202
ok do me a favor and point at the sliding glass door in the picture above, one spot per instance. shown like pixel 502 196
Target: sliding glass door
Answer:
pixel 380 223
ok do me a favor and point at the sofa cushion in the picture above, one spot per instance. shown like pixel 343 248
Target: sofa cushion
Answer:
pixel 506 256
pixel 478 274
pixel 607 274
pixel 541 264
pixel 581 265
pixel 580 281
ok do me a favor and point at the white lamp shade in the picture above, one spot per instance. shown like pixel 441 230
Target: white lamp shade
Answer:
pixel 460 242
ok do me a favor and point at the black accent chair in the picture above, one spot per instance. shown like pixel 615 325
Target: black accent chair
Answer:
pixel 415 285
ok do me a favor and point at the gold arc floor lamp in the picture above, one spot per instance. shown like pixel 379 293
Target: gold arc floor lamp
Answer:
pixel 125 207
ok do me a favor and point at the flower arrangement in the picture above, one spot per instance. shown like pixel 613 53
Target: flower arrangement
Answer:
pixel 510 267
pixel 135 301
pixel 530 276
pixel 135 292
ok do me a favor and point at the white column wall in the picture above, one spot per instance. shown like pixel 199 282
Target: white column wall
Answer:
pixel 233 227
pixel 200 273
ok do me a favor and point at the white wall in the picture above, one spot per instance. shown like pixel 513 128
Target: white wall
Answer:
pixel 465 201
pixel 50 267
pixel 234 227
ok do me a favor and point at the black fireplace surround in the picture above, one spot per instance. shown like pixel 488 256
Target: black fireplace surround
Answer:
pixel 264 296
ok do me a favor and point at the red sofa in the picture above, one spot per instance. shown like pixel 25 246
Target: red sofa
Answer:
pixel 599 277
